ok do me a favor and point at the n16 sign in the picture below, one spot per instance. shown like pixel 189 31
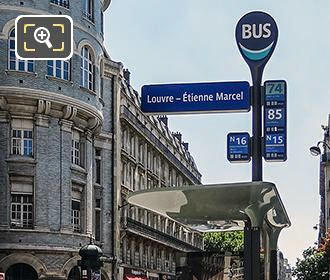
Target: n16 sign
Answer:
pixel 275 121
pixel 238 147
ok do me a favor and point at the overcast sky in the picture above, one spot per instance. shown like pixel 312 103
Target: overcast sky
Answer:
pixel 194 41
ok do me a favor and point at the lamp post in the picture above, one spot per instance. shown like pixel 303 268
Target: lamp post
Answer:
pixel 316 151
pixel 90 262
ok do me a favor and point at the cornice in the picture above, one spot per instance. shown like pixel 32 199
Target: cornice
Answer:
pixel 70 108
pixel 106 4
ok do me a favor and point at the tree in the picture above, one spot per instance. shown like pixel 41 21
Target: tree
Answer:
pixel 313 266
pixel 224 241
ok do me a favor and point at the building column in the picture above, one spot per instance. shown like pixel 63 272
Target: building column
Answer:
pixel 65 176
pixel 89 182
pixel 124 250
pixel 46 149
pixel 5 134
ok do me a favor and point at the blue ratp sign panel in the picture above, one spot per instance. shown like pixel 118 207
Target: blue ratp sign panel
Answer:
pixel 196 98
pixel 238 147
pixel 275 121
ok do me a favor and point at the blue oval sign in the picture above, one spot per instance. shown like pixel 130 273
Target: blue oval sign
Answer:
pixel 256 37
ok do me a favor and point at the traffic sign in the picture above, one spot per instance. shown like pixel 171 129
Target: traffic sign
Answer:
pixel 238 147
pixel 2 276
pixel 196 98
pixel 256 37
pixel 275 121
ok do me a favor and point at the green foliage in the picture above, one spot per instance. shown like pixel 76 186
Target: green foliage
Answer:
pixel 224 241
pixel 313 266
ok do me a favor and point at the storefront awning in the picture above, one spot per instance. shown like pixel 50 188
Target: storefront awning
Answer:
pixel 135 277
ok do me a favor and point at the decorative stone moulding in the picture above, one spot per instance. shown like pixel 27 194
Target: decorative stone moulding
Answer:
pixel 26 101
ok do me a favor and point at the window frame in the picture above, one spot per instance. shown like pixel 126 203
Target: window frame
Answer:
pixel 98 166
pixel 12 58
pixel 23 136
pixel 98 212
pixel 88 11
pixel 76 149
pixel 87 68
pixel 54 68
pixel 76 227
pixel 20 221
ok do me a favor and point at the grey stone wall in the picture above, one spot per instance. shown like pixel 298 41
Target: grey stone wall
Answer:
pixel 52 239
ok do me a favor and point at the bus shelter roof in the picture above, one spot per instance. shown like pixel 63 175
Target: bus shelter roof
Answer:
pixel 217 206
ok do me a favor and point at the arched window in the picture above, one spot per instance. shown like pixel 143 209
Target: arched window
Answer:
pixel 87 68
pixel 21 271
pixel 13 62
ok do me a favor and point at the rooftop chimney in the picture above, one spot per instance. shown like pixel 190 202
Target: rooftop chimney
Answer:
pixel 178 136
pixel 185 145
pixel 127 75
pixel 163 119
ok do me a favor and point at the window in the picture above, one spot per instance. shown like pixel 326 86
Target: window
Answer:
pixel 63 3
pixel 59 69
pixel 141 153
pixel 155 164
pixel 149 159
pixel 102 23
pixel 170 179
pixel 76 215
pixel 21 210
pixel 13 62
pixel 98 166
pixel 87 69
pixel 76 148
pixel 22 137
pixel 98 219
pixel 89 9
pixel 132 145
pixel 141 182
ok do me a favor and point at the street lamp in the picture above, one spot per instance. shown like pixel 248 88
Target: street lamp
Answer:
pixel 315 150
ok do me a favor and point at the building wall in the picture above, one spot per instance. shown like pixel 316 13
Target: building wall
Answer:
pixel 55 110
pixel 151 157
pixel 63 117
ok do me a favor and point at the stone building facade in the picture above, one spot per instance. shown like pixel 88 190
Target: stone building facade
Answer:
pixel 151 157
pixel 55 134
pixel 67 161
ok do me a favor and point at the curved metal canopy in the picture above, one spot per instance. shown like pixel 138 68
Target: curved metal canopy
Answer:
pixel 212 207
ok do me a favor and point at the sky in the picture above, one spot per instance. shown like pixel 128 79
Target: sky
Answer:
pixel 194 41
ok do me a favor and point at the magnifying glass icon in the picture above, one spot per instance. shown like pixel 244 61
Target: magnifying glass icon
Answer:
pixel 42 35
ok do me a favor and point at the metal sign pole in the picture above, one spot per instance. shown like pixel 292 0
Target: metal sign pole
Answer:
pixel 256 132
pixel 256 37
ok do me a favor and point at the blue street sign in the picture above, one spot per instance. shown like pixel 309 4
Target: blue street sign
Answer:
pixel 256 37
pixel 238 147
pixel 275 121
pixel 196 97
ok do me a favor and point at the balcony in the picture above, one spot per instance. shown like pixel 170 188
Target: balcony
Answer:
pixel 159 236
pixel 63 3
pixel 131 118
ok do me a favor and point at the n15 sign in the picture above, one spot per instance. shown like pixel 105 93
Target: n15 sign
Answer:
pixel 238 147
pixel 275 121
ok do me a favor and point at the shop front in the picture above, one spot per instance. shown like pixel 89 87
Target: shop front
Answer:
pixel 134 274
